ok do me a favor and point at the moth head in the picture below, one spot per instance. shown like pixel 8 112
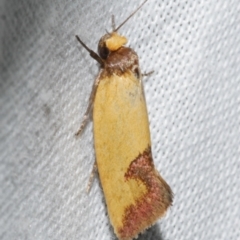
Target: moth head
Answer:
pixel 110 42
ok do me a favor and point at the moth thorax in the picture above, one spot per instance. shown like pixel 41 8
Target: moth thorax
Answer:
pixel 110 42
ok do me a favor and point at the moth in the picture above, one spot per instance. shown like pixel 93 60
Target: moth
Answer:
pixel 136 194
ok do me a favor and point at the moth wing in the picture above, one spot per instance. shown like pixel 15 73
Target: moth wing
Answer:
pixel 135 193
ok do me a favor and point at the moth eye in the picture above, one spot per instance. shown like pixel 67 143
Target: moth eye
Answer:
pixel 103 52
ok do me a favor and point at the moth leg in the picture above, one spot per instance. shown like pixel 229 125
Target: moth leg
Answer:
pixel 91 178
pixel 148 73
pixel 89 108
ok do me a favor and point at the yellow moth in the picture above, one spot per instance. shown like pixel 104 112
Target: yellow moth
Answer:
pixel 136 195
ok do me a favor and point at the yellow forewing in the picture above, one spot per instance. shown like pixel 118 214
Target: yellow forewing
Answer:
pixel 121 133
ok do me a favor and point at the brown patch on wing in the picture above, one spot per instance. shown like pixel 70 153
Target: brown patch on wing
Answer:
pixel 151 205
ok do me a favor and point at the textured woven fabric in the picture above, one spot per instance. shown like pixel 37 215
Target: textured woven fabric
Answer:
pixel 193 100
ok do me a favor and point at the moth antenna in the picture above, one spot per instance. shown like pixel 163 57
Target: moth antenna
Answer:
pixel 113 23
pixel 91 52
pixel 116 29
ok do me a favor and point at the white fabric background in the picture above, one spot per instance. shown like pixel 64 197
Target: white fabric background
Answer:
pixel 193 101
